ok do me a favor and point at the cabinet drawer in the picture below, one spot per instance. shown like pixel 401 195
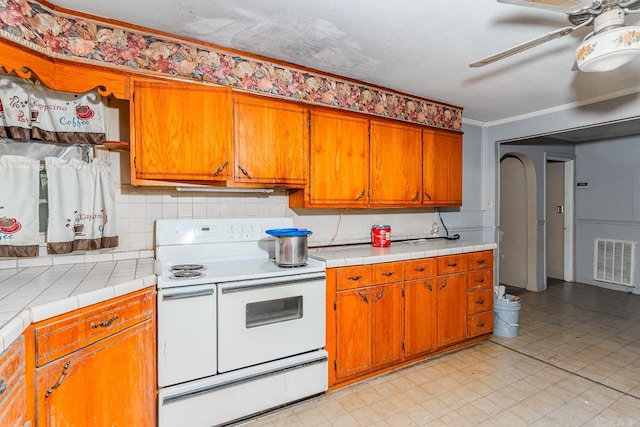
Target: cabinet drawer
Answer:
pixel 479 301
pixel 479 324
pixel 452 264
pixel 480 279
pixel 419 268
pixel 387 272
pixel 353 277
pixel 69 332
pixel 478 260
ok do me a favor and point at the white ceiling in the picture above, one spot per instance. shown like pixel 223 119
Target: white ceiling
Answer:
pixel 421 47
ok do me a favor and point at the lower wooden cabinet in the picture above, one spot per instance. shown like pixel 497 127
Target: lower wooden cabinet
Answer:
pixel 430 306
pixel 96 366
pixel 13 391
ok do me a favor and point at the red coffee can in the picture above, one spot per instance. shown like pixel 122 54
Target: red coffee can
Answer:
pixel 381 236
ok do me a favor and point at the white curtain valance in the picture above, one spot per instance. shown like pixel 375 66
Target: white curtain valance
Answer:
pixel 31 111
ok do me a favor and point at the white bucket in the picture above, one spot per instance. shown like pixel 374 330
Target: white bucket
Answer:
pixel 506 317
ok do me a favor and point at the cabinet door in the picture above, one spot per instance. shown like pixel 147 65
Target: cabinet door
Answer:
pixel 270 141
pixel 451 308
pixel 396 164
pixel 13 390
pixel 442 168
pixel 181 132
pixel 339 159
pixel 109 383
pixel 353 330
pixel 420 316
pixel 387 323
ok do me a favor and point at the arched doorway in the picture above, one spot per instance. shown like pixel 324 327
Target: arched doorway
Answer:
pixel 518 240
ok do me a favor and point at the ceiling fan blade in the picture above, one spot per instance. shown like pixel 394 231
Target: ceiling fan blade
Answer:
pixel 524 46
pixel 564 6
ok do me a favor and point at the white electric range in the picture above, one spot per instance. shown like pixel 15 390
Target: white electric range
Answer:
pixel 237 334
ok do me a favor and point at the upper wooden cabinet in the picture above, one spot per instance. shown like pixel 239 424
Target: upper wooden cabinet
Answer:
pixel 442 168
pixel 270 140
pixel 180 132
pixel 396 164
pixel 339 161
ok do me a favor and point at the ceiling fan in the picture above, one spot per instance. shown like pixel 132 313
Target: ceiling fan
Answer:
pixel 610 44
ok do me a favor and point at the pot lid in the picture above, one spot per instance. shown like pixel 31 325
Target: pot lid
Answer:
pixel 288 232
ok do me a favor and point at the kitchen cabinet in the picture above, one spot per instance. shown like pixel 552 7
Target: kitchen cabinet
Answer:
pixel 479 293
pixel 442 168
pixel 386 314
pixel 180 132
pixel 270 140
pixel 451 293
pixel 395 164
pixel 338 162
pixel 420 306
pixel 96 366
pixel 369 313
pixel 13 392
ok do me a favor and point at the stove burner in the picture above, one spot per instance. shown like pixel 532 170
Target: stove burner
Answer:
pixel 185 274
pixel 288 266
pixel 187 267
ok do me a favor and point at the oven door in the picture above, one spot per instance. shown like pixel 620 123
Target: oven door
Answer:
pixel 268 319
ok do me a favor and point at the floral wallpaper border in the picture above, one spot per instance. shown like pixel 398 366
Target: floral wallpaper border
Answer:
pixel 37 27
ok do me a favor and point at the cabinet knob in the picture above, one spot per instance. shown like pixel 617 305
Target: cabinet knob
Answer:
pixel 480 261
pixel 452 265
pixel 220 169
pixel 419 269
pixel 388 273
pixel 104 324
pixel 480 325
pixel 480 280
pixel 480 301
pixel 244 171
pixel 63 375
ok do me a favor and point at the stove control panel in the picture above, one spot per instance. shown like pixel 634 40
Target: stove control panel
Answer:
pixel 199 231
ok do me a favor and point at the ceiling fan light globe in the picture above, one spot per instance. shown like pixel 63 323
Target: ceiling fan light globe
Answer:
pixel 609 50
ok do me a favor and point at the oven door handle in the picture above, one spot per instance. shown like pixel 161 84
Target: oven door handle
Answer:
pixel 184 295
pixel 251 285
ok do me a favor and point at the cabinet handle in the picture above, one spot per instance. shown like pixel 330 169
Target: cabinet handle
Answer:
pixel 354 278
pixel 428 195
pixel 444 284
pixel 3 386
pixel 452 265
pixel 480 280
pixel 59 382
pixel 388 273
pixel 379 297
pixel 419 269
pixel 244 171
pixel 360 196
pixel 480 261
pixel 364 297
pixel 416 196
pixel 220 169
pixel 428 285
pixel 480 325
pixel 104 324
pixel 480 301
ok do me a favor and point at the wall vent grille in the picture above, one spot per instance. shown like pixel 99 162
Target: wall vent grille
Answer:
pixel 614 261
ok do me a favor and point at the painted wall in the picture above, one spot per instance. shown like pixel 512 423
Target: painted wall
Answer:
pixel 562 119
pixel 610 206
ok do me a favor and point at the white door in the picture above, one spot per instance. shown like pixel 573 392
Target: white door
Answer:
pixel 555 219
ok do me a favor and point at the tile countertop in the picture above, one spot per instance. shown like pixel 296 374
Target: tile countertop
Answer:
pixel 32 294
pixel 343 256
